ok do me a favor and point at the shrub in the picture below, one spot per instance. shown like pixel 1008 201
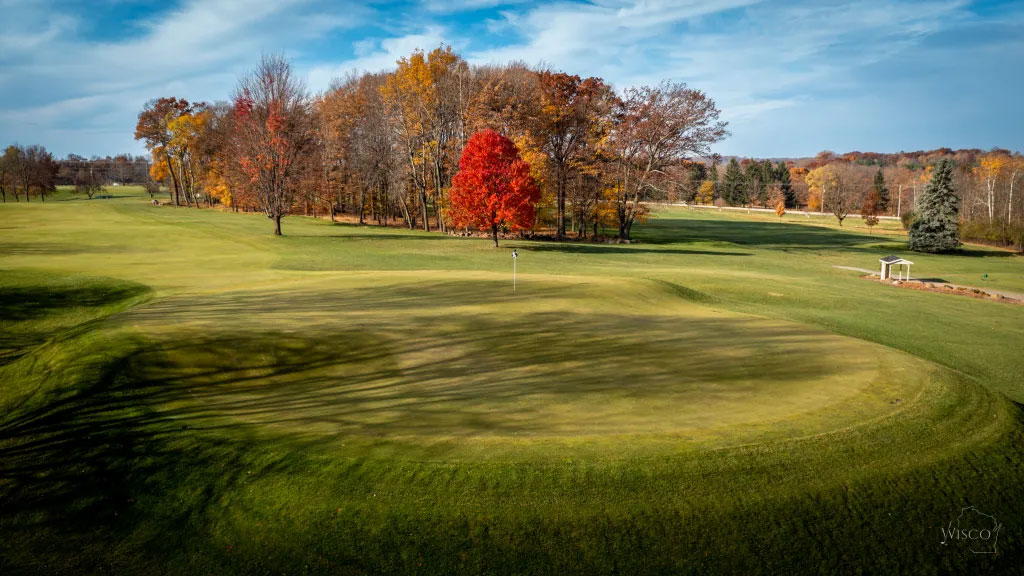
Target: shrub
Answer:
pixel 907 218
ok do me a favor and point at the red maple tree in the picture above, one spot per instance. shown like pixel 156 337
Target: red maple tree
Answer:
pixel 494 188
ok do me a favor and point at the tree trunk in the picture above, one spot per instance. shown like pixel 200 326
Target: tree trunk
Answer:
pixel 1009 203
pixel 437 201
pixel 277 225
pixel 405 213
pixel 423 203
pixel 437 212
pixel 494 234
pixel 560 232
pixel 174 180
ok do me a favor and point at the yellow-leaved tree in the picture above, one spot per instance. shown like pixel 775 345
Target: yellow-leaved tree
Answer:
pixel 706 192
pixel 989 170
pixel 819 182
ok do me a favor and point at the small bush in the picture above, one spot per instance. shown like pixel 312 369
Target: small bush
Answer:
pixel 907 218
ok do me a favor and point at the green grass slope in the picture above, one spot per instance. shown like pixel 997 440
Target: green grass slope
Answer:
pixel 180 392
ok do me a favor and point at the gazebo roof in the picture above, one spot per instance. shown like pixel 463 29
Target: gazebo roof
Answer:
pixel 894 260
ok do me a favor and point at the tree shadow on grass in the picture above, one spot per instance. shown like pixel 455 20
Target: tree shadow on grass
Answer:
pixel 21 303
pixel 32 314
pixel 57 248
pixel 469 378
pixel 778 236
pixel 623 249
pixel 139 465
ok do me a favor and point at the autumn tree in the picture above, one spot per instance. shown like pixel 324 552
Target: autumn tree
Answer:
pixel 428 98
pixel 780 203
pixel 272 134
pixel 189 133
pixel 570 114
pixel 989 170
pixel 881 191
pixel 820 181
pixel 1014 170
pixel 657 127
pixel 870 208
pixel 842 195
pixel 936 226
pixel 153 127
pixel 493 189
pixel 706 192
pixel 507 100
pixel 363 154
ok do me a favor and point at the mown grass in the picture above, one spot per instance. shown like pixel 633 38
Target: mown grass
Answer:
pixel 185 394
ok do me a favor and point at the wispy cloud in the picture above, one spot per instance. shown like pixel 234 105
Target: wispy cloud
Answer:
pixel 792 76
pixel 195 50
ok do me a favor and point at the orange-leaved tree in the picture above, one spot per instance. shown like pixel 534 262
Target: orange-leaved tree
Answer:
pixel 494 188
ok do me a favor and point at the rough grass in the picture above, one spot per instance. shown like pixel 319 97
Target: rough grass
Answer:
pixel 183 393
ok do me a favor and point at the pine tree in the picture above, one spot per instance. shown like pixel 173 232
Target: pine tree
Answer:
pixel 713 177
pixel 697 175
pixel 935 228
pixel 883 193
pixel 734 189
pixel 785 184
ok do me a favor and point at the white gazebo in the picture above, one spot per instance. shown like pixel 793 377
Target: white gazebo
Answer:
pixel 889 261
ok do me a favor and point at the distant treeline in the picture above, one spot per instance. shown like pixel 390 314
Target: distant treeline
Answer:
pixel 988 184
pixel 32 171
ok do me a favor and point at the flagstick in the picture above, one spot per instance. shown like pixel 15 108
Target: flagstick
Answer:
pixel 515 256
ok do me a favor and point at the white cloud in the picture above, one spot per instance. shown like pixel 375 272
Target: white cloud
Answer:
pixel 196 51
pixel 376 56
pixel 770 66
pixel 755 58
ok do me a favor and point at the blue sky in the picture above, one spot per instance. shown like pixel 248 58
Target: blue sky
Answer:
pixel 792 78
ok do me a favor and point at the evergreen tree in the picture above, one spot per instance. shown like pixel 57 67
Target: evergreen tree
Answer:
pixel 883 193
pixel 697 175
pixel 734 189
pixel 713 177
pixel 935 228
pixel 785 184
pixel 768 173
